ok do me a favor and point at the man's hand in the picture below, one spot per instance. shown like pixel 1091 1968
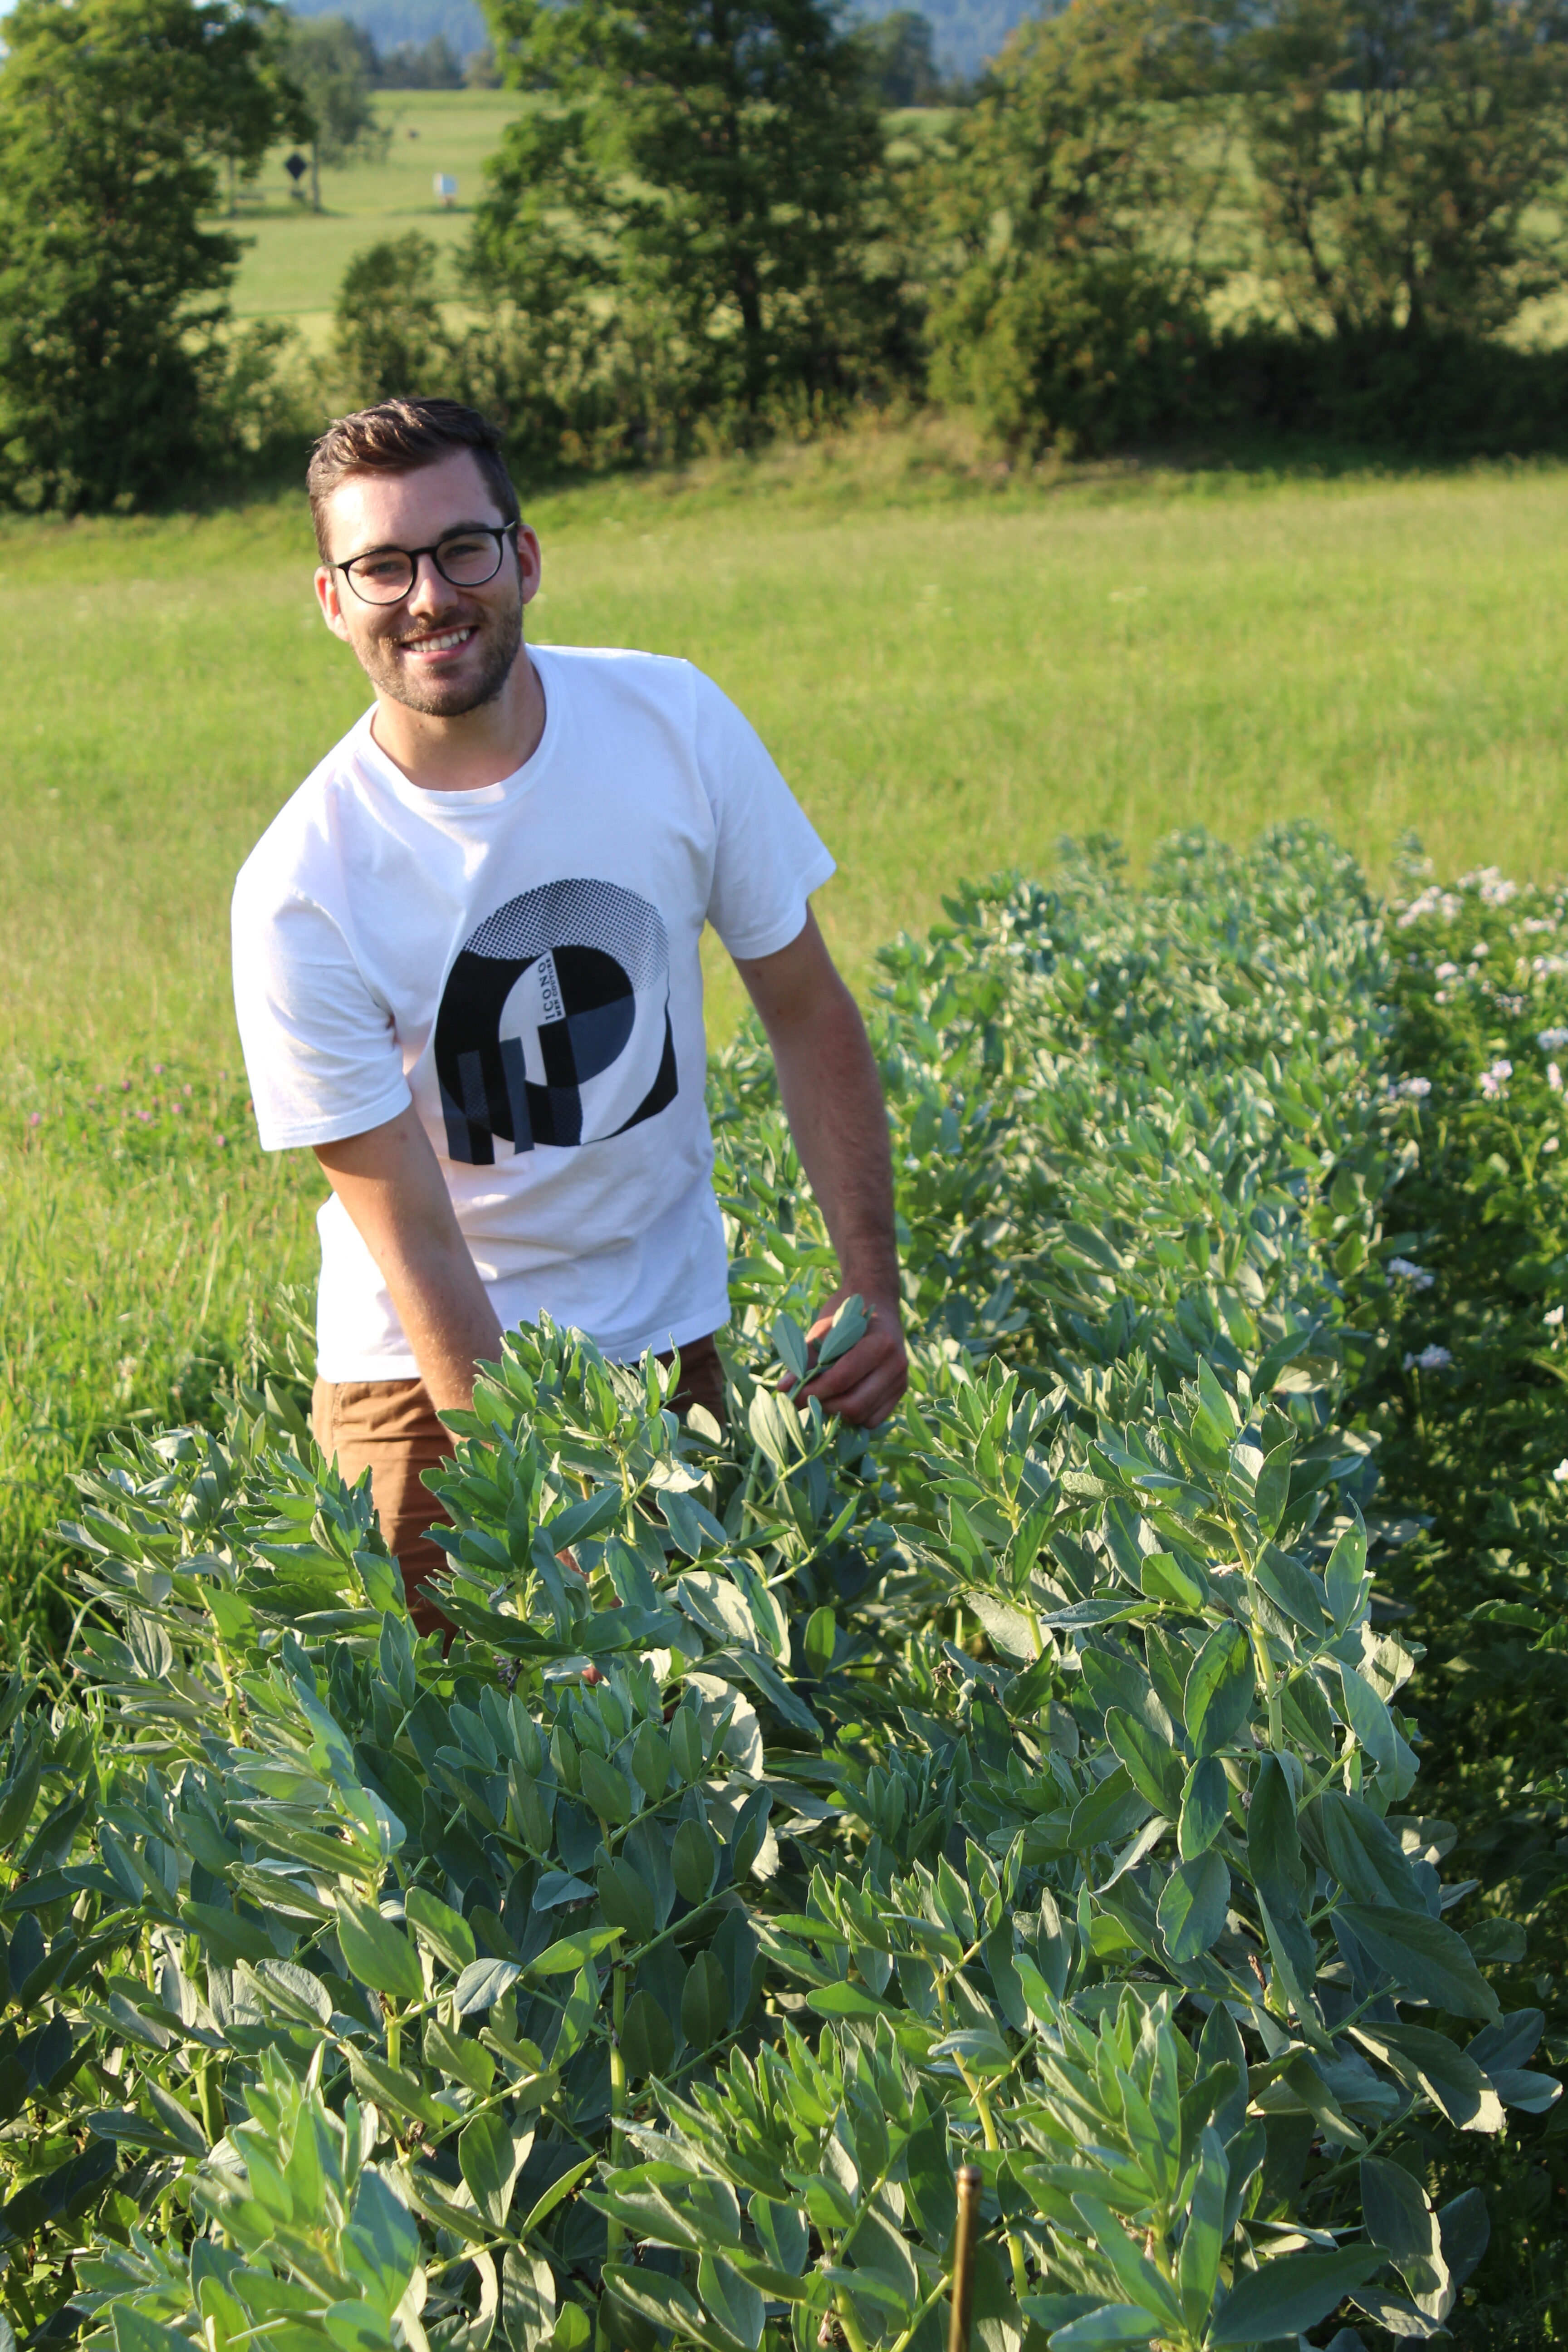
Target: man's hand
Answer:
pixel 864 1384
pixel 833 1100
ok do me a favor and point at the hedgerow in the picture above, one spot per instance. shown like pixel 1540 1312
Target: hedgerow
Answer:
pixel 797 1814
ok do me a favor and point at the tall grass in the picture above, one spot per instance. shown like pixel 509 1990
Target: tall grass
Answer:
pixel 951 673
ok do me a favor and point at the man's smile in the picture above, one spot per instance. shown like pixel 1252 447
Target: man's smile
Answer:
pixel 448 642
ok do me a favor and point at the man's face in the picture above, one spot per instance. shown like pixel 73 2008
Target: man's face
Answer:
pixel 441 650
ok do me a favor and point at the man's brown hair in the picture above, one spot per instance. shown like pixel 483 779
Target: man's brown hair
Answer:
pixel 399 437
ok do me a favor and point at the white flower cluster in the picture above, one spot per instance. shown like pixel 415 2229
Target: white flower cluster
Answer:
pixel 1430 1360
pixel 1413 1089
pixel 1495 889
pixel 1432 900
pixel 1538 923
pixel 1554 1077
pixel 1446 971
pixel 1561 1474
pixel 1415 1275
pixel 1552 1040
pixel 1494 1082
pixel 1552 1318
pixel 1548 966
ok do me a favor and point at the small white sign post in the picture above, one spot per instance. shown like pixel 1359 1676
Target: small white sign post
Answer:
pixel 447 189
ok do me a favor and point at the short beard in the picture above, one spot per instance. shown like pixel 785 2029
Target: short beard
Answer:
pixel 500 635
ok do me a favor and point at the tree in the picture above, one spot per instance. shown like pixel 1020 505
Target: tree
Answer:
pixel 430 65
pixel 388 335
pixel 334 64
pixel 707 169
pixel 1067 224
pixel 1401 150
pixel 903 70
pixel 114 118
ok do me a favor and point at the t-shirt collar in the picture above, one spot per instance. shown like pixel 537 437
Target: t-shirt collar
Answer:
pixel 429 802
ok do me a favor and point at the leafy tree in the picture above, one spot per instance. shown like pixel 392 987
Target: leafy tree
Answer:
pixel 389 337
pixel 334 64
pixel 708 168
pixel 904 72
pixel 430 65
pixel 1067 220
pixel 114 116
pixel 1401 150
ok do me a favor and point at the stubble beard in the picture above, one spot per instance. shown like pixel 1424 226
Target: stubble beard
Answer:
pixel 499 638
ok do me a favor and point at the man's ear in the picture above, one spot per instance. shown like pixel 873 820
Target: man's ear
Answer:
pixel 327 598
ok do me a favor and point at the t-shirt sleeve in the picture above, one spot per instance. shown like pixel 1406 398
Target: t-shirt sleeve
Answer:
pixel 769 858
pixel 319 1048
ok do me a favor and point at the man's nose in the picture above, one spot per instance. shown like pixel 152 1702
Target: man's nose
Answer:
pixel 430 592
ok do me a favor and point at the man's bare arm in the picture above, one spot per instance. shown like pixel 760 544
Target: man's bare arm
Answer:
pixel 390 1182
pixel 833 1100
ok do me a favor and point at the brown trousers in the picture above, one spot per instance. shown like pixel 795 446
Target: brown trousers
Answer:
pixel 390 1428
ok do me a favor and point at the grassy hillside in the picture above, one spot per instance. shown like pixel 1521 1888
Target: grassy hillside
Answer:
pixel 950 684
pixel 295 258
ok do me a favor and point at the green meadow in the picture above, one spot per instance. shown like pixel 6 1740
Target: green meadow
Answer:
pixel 294 258
pixel 951 673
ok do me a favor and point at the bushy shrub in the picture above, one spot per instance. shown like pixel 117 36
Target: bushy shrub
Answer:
pixel 799 1812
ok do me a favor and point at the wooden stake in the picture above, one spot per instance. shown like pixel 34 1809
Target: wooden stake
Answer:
pixel 969 2185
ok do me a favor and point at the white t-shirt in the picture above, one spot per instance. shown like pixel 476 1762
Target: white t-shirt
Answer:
pixel 521 964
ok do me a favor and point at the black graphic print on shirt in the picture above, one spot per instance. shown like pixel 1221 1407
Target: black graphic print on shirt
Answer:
pixel 554 1022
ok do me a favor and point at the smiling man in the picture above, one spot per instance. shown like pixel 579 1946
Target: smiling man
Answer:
pixel 465 959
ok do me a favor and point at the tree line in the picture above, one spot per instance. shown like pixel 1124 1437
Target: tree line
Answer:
pixel 709 222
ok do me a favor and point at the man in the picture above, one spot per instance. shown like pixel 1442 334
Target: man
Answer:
pixel 466 976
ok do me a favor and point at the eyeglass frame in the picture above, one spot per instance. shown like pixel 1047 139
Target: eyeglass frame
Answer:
pixel 495 530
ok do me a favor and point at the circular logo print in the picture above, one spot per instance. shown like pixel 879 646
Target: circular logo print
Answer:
pixel 554 1022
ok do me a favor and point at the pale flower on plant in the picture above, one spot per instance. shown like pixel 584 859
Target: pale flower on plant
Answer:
pixel 1430 1360
pixel 1552 1318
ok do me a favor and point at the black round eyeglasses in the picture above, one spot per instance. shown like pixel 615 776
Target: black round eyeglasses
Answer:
pixel 465 558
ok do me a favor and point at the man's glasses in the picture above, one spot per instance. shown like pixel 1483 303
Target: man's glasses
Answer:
pixel 465 558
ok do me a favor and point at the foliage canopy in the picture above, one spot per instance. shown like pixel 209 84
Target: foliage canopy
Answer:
pixel 798 1812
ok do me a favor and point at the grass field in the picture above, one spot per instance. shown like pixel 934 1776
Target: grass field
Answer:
pixel 950 680
pixel 295 258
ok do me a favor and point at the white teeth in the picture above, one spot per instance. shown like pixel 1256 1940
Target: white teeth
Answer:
pixel 437 645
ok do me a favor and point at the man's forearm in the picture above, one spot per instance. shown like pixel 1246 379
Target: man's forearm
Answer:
pixel 833 1099
pixel 390 1182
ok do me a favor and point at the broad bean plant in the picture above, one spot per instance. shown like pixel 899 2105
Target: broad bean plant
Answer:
pixel 797 1813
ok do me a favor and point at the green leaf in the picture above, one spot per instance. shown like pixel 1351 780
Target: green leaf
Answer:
pixel 556 2194
pixel 1205 1808
pixel 1151 1764
pixel 1429 1959
pixel 607 1790
pixel 1344 1579
pixel 483 1982
pixel 376 1952
pixel 704 2002
pixel 694 1861
pixel 1291 2293
pixel 730 2300
pixel 527 2300
pixel 1193 1906
pixel 647 2039
pixel 1219 1696
pixel 435 1923
pixel 491 2155
pixel 1112 2325
pixel 570 1952
pixel 1273 1489
pixel 821 1640
pixel 1203 2241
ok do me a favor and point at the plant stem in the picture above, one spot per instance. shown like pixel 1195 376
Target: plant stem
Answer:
pixel 982 2110
pixel 613 2231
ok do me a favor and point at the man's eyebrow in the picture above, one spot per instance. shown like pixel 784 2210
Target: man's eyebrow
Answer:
pixel 391 547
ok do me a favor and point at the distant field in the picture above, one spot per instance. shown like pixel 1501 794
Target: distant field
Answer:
pixel 296 258
pixel 950 677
